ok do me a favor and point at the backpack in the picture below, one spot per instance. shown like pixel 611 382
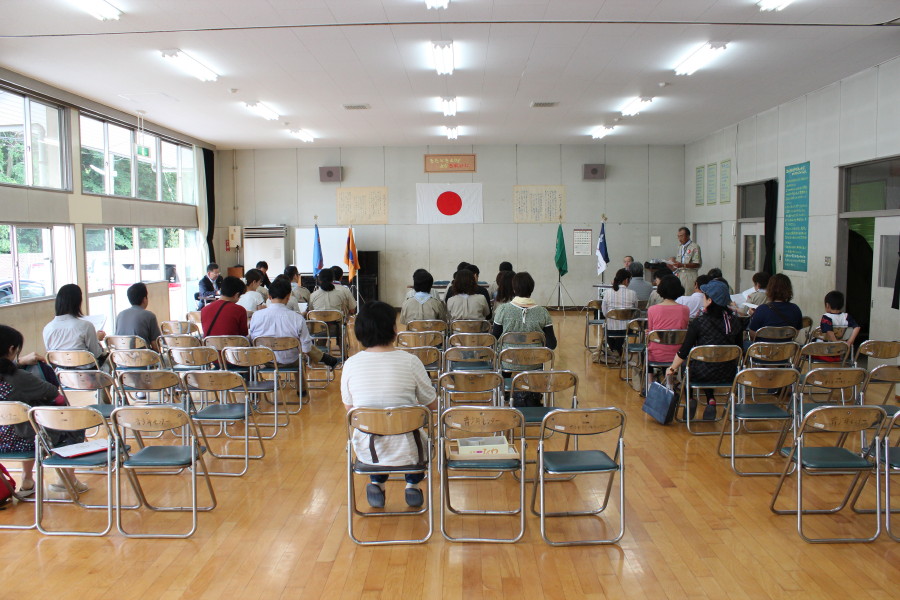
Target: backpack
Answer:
pixel 7 486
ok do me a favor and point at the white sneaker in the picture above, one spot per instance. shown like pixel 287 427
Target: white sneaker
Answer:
pixel 60 488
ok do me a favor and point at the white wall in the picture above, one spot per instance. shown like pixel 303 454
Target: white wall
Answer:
pixel 641 196
pixel 853 120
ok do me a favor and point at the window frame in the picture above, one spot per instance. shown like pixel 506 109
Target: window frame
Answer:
pixel 65 162
pixel 55 276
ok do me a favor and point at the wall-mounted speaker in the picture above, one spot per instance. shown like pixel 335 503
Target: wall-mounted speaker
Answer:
pixel 327 174
pixel 594 171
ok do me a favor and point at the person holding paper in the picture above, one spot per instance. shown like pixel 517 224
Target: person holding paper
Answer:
pixel 69 330
pixel 687 259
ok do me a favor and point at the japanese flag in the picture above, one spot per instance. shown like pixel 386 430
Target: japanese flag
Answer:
pixel 448 203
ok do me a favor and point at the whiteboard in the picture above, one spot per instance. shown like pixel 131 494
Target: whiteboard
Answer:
pixel 271 250
pixel 333 240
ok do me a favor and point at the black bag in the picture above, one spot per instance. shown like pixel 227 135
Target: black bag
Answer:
pixel 660 403
pixel 526 399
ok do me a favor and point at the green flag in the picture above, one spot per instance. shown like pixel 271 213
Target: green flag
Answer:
pixel 562 265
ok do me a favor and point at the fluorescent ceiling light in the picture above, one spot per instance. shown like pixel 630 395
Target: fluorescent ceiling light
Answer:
pixel 636 105
pixel 189 64
pixel 773 4
pixel 443 57
pixel 262 110
pixel 448 105
pixel 302 135
pixel 451 132
pixel 599 132
pixel 99 9
pixel 701 57
pixel 437 3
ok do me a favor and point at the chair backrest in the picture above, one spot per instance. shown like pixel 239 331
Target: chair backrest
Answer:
pixel 393 420
pixel 135 359
pixel 149 418
pixel 13 413
pixel 622 314
pixel 178 327
pixel 253 356
pixel 838 332
pixel 427 325
pixel 418 339
pixel 482 420
pixel 220 342
pixel 277 343
pixel 887 376
pixel 66 418
pixel 773 352
pixel 462 354
pixel 149 381
pixel 524 359
pixel 429 355
pixel 766 378
pixel 879 349
pixel 328 316
pixel 85 381
pixel 522 338
pixel 200 356
pixel 635 329
pixel 470 381
pixel 643 304
pixel 838 378
pixel 180 340
pixel 318 329
pixel 583 421
pixel 776 333
pixel 213 381
pixel 124 342
pixel 843 419
pixel 839 350
pixel 669 337
pixel 545 382
pixel 472 339
pixel 470 326
pixel 714 354
pixel 71 359
pixel 592 306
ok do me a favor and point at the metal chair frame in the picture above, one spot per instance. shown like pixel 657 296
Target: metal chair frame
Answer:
pixel 576 423
pixel 419 339
pixel 891 465
pixel 72 359
pixel 879 349
pixel 469 326
pixel 430 358
pixel 293 373
pixel 397 420
pixel 472 340
pixel 617 314
pixel 635 329
pixel 187 327
pixel 319 331
pixel 771 332
pixel 14 413
pixel 124 342
pixel 668 337
pixel 705 354
pixel 809 351
pixel 474 387
pixel 832 380
pixel 593 318
pixel 458 422
pixel 332 316
pixel 469 358
pixel 253 359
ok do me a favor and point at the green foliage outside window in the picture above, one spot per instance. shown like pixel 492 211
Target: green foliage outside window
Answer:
pixel 12 157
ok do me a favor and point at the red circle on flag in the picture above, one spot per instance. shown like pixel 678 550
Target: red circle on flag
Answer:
pixel 449 203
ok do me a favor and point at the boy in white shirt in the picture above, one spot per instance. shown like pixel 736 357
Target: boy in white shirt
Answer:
pixel 251 300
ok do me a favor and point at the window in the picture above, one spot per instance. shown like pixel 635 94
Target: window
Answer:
pixel 31 142
pixel 872 186
pixel 34 261
pixel 752 200
pixel 147 167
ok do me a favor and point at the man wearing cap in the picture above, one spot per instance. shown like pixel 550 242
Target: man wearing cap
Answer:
pixel 687 259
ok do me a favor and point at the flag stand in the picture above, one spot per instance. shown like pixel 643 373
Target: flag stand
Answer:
pixel 559 289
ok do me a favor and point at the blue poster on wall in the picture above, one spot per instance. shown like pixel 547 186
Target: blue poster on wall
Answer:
pixel 796 216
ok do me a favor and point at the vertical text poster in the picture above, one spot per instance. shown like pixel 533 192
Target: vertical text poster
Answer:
pixel 712 182
pixel 539 203
pixel 796 216
pixel 700 186
pixel 362 206
pixel 725 182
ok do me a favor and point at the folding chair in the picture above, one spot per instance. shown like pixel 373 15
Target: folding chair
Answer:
pixel 321 338
pixel 577 423
pixel 468 388
pixel 706 355
pixel 430 358
pixel 220 342
pixel 879 349
pixel 463 422
pixel 891 466
pixel 593 318
pixel 634 345
pixel 812 352
pixel 70 419
pixel 335 320
pixel 616 314
pixel 521 339
pixel 770 332
pixel 252 359
pixel 470 326
pixel 833 460
pixel 176 340
pixel 461 358
pixel 665 337
pixel 14 413
pixel 180 327
pixel 193 358
pixel 427 325
pixel 772 355
pixel 99 384
pixel 72 359
pixel 293 373
pixel 518 360
pixel 399 420
pixel 223 386
pixel 419 339
pixel 743 409
pixel 548 384
pixel 124 342
pixel 471 340
pixel 159 419
pixel 131 360
pixel 843 380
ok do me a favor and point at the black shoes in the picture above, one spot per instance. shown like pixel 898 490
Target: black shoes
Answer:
pixel 375 495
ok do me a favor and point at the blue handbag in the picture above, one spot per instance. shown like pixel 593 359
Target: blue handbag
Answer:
pixel 660 403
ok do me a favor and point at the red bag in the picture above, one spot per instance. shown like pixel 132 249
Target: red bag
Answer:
pixel 7 486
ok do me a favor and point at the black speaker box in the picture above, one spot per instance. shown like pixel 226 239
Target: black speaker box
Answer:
pixel 594 172
pixel 329 174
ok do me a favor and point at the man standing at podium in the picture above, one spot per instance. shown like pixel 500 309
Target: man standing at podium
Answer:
pixel 687 259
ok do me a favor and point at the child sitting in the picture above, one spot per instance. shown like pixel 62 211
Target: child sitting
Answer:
pixel 833 317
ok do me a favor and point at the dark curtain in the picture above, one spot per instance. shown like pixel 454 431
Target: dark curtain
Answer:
pixel 895 303
pixel 771 188
pixel 209 167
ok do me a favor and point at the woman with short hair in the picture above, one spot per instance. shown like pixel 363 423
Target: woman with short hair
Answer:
pixel 667 315
pixel 619 297
pixel 778 311
pixel 422 305
pixel 466 302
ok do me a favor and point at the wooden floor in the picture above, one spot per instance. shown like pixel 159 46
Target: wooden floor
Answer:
pixel 694 530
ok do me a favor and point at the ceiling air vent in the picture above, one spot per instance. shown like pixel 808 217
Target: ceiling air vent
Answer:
pixel 357 107
pixel 537 104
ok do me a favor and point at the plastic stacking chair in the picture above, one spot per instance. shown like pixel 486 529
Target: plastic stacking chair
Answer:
pixel 292 374
pixel 474 358
pixel 666 337
pixel 705 354
pixel 810 354
pixel 593 319
pixel 879 349
pixel 13 413
pixel 71 419
pixel 607 422
pixel 399 420
pixel 225 409
pixel 743 409
pixel 419 339
pixel 472 340
pixel 470 326
pixel 158 419
pixel 469 388
pixel 833 460
pixel 253 359
pixel 633 351
pixel 318 376
pixel 464 422
pixel 430 358
pixel 124 342
pixel 337 330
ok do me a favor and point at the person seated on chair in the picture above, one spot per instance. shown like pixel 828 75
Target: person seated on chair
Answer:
pixel 338 277
pixel 279 321
pixel 466 302
pixel 209 286
pixel 640 286
pixel 716 273
pixel 627 262
pixel 225 316
pixel 383 376
pixel 263 267
pixel 68 330
pixel 329 297
pixel 137 320
pixel 833 317
pixel 619 297
pixel 252 299
pixel 449 291
pixel 292 303
pixel 658 276
pixel 778 311
pixel 522 314
pixel 18 385
pixel 504 288
pixel 668 314
pixel 716 326
pixel 423 306
pixel 760 283
pixel 694 302
pixel 505 267
pixel 300 293
pixel 478 289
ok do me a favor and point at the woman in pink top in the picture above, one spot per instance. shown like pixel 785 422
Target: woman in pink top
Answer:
pixel 667 315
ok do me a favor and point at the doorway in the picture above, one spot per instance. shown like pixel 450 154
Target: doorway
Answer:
pixel 709 237
pixel 751 253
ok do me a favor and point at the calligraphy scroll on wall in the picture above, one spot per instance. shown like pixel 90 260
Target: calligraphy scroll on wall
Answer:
pixel 362 206
pixel 539 203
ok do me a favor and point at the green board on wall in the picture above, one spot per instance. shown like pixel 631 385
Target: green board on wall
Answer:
pixel 796 216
